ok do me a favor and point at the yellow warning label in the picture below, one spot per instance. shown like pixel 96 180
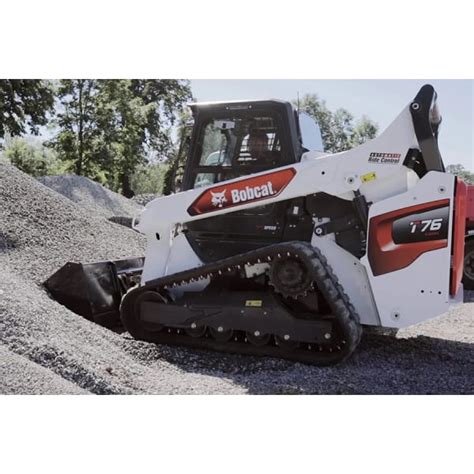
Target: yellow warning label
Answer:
pixel 368 177
pixel 254 303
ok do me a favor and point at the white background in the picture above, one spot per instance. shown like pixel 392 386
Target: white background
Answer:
pixel 196 39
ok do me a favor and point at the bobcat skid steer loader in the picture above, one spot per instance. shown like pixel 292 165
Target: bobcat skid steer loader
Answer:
pixel 277 248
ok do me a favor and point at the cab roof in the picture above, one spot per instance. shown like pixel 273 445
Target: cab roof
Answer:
pixel 239 105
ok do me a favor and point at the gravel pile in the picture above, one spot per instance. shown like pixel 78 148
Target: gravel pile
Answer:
pixel 45 348
pixel 41 229
pixel 91 196
pixel 143 199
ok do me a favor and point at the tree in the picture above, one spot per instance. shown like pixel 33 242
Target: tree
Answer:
pixel 364 130
pixel 111 127
pixel 173 177
pixel 24 105
pixel 32 157
pixel 143 114
pixel 338 129
pixel 78 139
pixel 462 172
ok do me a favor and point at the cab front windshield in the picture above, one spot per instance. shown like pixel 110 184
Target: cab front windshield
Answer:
pixel 233 147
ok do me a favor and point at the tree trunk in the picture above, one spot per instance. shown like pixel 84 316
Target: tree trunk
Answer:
pixel 127 191
pixel 81 131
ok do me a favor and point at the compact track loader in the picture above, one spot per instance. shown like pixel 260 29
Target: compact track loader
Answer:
pixel 277 248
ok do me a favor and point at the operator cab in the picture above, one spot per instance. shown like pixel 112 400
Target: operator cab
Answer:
pixel 235 139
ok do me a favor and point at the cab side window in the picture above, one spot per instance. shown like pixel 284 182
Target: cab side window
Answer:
pixel 237 146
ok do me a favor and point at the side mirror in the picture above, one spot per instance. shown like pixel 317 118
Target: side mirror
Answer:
pixel 310 133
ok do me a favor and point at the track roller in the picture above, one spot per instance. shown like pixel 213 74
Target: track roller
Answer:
pixel 257 339
pixel 196 330
pixel 220 334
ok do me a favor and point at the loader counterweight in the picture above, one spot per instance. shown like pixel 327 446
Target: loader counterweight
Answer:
pixel 459 233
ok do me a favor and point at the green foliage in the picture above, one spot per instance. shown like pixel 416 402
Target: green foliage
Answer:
pixel 24 105
pixel 112 127
pixel 364 130
pixel 149 178
pixel 33 158
pixel 118 132
pixel 338 129
pixel 462 172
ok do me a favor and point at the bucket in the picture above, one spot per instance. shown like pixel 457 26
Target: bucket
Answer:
pixel 94 290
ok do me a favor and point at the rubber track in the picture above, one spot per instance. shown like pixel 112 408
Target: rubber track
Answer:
pixel 324 277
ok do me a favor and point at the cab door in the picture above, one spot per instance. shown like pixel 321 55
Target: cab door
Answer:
pixel 226 148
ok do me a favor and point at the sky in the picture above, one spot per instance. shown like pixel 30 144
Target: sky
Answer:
pixel 380 100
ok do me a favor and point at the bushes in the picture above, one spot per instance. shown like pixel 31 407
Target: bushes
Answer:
pixel 33 157
pixel 149 178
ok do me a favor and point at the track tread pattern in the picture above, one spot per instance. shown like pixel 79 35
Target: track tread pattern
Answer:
pixel 324 277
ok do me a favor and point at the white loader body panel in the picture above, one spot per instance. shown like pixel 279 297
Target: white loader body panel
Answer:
pixel 419 291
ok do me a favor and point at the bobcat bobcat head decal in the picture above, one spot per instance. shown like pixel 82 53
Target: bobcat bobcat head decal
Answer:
pixel 218 199
pixel 240 192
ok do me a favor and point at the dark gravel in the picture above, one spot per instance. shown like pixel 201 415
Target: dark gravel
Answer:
pixel 44 348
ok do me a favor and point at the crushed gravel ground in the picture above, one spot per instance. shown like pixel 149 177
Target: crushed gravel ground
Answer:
pixel 45 348
pixel 91 195
pixel 87 355
pixel 21 375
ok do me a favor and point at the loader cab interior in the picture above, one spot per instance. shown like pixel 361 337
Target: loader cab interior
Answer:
pixel 231 148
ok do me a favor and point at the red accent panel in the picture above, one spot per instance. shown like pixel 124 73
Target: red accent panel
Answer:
pixel 459 233
pixel 384 254
pixel 241 192
pixel 470 207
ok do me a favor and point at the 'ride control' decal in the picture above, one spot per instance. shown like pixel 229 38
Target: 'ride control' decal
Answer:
pixel 240 192
pixel 385 158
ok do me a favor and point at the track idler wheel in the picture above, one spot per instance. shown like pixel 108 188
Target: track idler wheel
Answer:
pixel 130 313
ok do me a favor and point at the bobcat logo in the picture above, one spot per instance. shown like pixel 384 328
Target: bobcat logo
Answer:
pixel 218 199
